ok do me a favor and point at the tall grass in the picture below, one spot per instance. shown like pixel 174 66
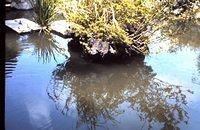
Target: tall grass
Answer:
pixel 45 11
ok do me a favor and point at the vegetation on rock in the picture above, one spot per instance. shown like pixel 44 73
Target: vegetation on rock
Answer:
pixel 111 26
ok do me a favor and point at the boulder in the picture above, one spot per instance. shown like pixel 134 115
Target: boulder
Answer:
pixel 21 4
pixel 8 1
pixel 22 25
pixel 62 28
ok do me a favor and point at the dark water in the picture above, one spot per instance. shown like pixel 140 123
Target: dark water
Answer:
pixel 47 90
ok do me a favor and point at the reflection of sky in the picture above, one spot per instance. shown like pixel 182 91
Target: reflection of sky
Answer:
pixel 62 43
pixel 27 103
pixel 28 84
pixel 179 67
pixel 39 114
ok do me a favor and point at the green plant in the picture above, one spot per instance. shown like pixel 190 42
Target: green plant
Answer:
pixel 45 11
pixel 115 22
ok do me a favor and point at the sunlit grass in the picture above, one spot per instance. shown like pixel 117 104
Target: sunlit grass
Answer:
pixel 45 11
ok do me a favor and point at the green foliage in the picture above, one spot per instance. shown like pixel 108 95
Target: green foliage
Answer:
pixel 45 11
pixel 107 19
pixel 184 11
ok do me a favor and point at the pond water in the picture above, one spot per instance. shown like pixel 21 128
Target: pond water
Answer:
pixel 48 90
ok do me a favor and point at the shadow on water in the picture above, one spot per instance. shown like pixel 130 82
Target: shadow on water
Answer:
pixel 97 91
pixel 19 14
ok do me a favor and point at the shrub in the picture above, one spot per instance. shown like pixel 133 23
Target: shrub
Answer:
pixel 115 22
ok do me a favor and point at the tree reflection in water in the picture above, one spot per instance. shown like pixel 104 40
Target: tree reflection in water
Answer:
pixel 97 91
pixel 182 34
pixel 196 79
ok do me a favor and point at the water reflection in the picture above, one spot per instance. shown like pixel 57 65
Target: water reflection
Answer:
pixel 98 92
pixel 183 38
pixel 39 114
pixel 19 14
pixel 196 78
pixel 183 34
pixel 14 47
pixel 12 51
pixel 45 46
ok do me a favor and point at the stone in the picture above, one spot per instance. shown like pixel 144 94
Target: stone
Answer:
pixel 61 27
pixel 21 4
pixel 98 46
pixel 8 1
pixel 22 25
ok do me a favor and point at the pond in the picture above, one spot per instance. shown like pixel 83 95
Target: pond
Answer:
pixel 48 90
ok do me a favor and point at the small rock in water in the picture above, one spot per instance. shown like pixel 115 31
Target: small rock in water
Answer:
pixel 22 25
pixel 23 38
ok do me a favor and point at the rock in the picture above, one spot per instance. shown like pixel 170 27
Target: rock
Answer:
pixel 62 28
pixel 178 11
pixel 21 4
pixel 99 46
pixel 22 25
pixel 197 16
pixel 8 1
